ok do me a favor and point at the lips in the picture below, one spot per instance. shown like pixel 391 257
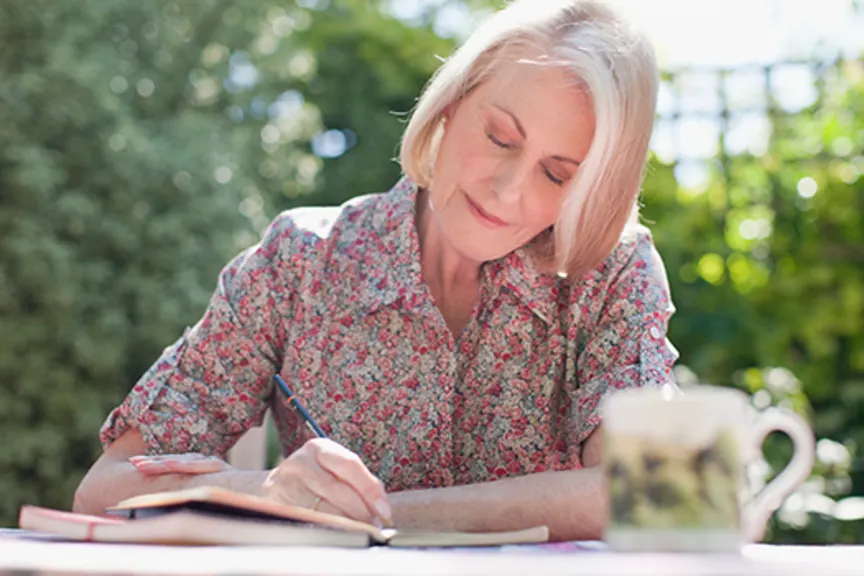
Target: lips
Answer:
pixel 485 218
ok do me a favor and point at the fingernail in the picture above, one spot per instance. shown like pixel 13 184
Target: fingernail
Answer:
pixel 383 508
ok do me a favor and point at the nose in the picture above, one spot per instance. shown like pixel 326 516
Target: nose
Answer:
pixel 510 181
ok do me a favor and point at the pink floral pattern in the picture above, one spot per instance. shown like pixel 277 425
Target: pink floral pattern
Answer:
pixel 333 299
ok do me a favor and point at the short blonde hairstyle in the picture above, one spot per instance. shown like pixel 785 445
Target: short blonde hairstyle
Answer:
pixel 616 66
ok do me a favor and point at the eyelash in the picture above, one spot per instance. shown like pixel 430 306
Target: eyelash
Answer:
pixel 552 178
pixel 500 144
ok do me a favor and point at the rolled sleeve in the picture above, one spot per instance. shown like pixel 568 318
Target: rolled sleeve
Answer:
pixel 213 383
pixel 626 344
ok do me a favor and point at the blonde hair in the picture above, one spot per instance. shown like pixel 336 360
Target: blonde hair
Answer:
pixel 613 62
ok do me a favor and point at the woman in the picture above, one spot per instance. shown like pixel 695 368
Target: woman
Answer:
pixel 454 336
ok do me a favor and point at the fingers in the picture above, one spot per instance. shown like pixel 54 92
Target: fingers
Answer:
pixel 330 489
pixel 193 464
pixel 322 468
pixel 347 467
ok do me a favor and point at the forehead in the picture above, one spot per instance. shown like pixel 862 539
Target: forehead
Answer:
pixel 527 74
pixel 547 99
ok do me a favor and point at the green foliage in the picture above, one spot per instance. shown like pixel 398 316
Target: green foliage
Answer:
pixel 111 225
pixel 370 72
pixel 143 143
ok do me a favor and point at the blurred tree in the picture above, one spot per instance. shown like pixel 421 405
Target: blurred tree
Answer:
pixel 370 70
pixel 113 223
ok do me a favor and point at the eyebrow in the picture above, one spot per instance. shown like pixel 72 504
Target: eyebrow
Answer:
pixel 515 120
pixel 524 136
pixel 567 160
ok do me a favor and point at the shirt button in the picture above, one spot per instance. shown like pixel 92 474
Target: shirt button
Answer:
pixel 655 332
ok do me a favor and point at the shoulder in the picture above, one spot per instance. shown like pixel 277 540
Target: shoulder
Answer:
pixel 304 231
pixel 316 246
pixel 632 280
pixel 635 255
pixel 311 225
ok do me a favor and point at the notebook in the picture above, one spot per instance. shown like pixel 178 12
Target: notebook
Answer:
pixel 215 516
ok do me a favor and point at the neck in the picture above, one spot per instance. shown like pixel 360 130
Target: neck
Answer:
pixel 444 269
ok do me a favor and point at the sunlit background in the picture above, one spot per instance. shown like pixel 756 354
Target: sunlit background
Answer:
pixel 704 32
pixel 144 142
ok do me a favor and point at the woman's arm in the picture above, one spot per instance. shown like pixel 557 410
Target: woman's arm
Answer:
pixel 211 385
pixel 571 503
pixel 113 478
pixel 320 472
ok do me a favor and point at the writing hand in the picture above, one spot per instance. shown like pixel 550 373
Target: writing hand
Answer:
pixel 328 477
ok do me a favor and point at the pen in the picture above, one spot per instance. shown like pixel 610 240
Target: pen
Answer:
pixel 310 422
pixel 294 401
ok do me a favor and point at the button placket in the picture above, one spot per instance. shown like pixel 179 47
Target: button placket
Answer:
pixel 446 365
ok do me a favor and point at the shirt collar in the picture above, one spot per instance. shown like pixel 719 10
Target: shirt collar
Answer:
pixel 395 270
pixel 538 291
pixel 397 274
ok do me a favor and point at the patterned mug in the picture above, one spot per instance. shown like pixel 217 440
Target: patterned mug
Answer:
pixel 675 466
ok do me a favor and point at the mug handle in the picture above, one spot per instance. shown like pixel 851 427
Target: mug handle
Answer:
pixel 762 506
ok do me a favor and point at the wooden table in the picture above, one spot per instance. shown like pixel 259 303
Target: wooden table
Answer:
pixel 23 554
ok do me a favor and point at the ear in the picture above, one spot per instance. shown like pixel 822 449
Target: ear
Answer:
pixel 449 111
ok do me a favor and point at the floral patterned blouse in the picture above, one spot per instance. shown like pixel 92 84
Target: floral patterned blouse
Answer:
pixel 333 299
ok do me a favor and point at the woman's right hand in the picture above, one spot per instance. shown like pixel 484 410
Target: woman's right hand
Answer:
pixel 328 477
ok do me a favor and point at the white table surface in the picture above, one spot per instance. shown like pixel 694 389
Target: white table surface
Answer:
pixel 44 556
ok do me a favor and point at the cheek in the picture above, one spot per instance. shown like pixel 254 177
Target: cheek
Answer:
pixel 542 210
pixel 464 155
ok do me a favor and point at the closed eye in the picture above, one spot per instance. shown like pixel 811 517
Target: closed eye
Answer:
pixel 498 142
pixel 554 179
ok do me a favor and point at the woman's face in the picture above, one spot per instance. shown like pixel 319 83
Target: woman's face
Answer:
pixel 509 149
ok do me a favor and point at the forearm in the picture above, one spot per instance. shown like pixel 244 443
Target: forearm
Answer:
pixel 571 503
pixel 111 481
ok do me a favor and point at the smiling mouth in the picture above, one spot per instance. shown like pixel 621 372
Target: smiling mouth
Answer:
pixel 485 218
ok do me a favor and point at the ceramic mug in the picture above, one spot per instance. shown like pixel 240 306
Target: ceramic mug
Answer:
pixel 675 466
